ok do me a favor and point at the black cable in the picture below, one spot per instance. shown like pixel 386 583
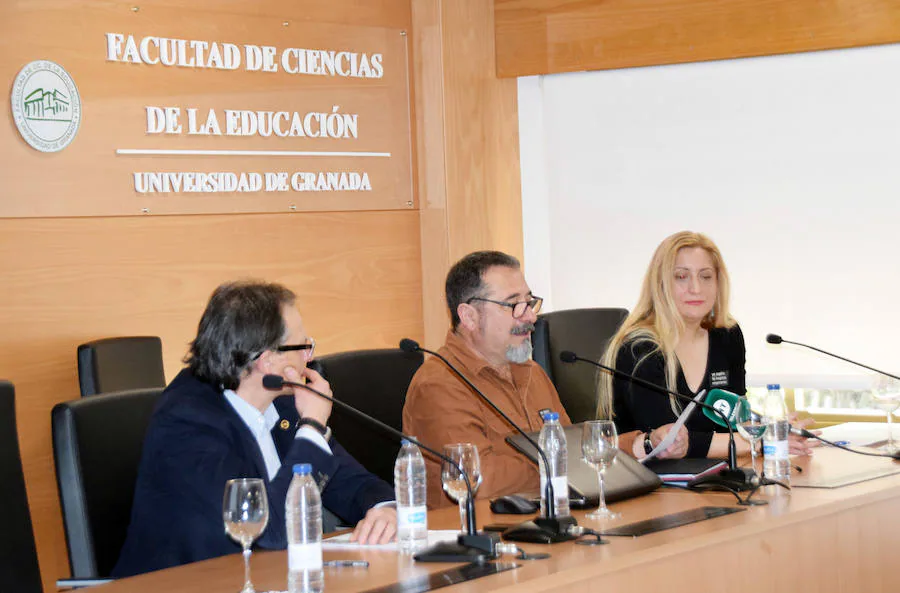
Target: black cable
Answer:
pixel 523 555
pixel 846 448
pixel 716 488
pixel 586 532
pixel 763 481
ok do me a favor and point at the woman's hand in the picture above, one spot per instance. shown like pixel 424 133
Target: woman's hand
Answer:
pixel 677 449
pixel 798 445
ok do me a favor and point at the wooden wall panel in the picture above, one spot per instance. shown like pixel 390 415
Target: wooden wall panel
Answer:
pixel 468 145
pixel 551 36
pixel 357 275
pixel 66 281
pixel 364 279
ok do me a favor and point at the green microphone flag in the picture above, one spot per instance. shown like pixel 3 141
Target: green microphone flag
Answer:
pixel 724 401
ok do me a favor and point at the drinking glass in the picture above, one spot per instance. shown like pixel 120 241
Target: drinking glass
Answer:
pixel 465 455
pixel 886 397
pixel 245 510
pixel 599 445
pixel 751 426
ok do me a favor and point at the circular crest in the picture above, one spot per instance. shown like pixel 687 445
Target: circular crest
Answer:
pixel 46 106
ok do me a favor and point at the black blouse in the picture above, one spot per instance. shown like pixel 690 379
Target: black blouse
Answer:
pixel 640 408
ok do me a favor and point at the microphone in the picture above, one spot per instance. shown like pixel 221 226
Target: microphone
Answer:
pixel 471 546
pixel 725 402
pixel 734 477
pixel 551 529
pixel 776 339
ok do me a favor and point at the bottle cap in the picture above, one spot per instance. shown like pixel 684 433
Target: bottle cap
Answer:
pixel 302 469
pixel 548 416
pixel 405 442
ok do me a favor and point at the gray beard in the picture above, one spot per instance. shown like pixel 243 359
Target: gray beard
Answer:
pixel 521 353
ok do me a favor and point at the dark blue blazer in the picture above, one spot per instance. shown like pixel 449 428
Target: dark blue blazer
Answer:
pixel 194 444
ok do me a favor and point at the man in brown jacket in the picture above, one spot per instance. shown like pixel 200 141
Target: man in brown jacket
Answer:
pixel 492 312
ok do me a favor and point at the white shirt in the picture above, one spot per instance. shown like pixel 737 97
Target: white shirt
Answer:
pixel 261 425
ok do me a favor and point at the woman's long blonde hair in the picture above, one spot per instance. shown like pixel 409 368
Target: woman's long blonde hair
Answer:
pixel 655 318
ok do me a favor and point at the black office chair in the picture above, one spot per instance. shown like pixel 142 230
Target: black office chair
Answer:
pixel 585 332
pixel 119 364
pixel 374 382
pixel 19 569
pixel 97 444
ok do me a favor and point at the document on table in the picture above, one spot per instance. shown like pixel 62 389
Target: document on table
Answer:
pixel 860 434
pixel 673 432
pixel 342 542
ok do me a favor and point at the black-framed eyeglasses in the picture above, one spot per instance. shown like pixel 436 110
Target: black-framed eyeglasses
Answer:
pixel 518 309
pixel 310 348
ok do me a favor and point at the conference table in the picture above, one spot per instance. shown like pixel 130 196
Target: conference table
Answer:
pixel 817 539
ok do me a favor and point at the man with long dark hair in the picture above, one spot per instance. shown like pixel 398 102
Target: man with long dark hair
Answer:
pixel 216 421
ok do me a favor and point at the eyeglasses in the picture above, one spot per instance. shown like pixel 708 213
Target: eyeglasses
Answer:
pixel 310 348
pixel 518 309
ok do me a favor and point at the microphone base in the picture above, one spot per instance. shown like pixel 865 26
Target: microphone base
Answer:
pixel 477 547
pixel 740 480
pixel 542 530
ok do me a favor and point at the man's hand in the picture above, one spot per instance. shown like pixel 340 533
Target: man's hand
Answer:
pixel 798 445
pixel 308 404
pixel 677 449
pixel 379 526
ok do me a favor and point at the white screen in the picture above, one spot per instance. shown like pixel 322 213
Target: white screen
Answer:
pixel 789 163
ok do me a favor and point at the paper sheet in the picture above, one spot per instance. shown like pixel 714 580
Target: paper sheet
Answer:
pixel 670 436
pixel 860 434
pixel 342 542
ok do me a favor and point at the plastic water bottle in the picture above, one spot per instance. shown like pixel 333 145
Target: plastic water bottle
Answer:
pixel 303 513
pixel 776 463
pixel 409 489
pixel 552 442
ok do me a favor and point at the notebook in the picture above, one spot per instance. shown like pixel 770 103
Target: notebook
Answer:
pixel 625 478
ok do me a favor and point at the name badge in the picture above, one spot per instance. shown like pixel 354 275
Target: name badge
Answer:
pixel 718 379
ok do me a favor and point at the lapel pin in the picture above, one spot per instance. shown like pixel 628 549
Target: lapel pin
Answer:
pixel 285 424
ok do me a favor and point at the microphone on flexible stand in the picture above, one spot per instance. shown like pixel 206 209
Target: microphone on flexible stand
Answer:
pixel 734 478
pixel 776 339
pixel 471 546
pixel 550 529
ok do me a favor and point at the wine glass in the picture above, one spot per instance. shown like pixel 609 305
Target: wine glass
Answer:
pixel 245 509
pixel 750 425
pixel 599 445
pixel 464 455
pixel 886 396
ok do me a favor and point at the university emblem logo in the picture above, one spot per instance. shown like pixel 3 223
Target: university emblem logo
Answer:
pixel 46 106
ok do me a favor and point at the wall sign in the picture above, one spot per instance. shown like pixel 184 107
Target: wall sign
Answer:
pixel 204 113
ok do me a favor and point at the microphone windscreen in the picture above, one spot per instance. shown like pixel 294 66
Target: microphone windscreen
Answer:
pixel 273 382
pixel 568 356
pixel 408 345
pixel 773 339
pixel 725 402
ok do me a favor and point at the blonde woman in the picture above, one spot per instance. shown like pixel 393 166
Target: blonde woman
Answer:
pixel 680 336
